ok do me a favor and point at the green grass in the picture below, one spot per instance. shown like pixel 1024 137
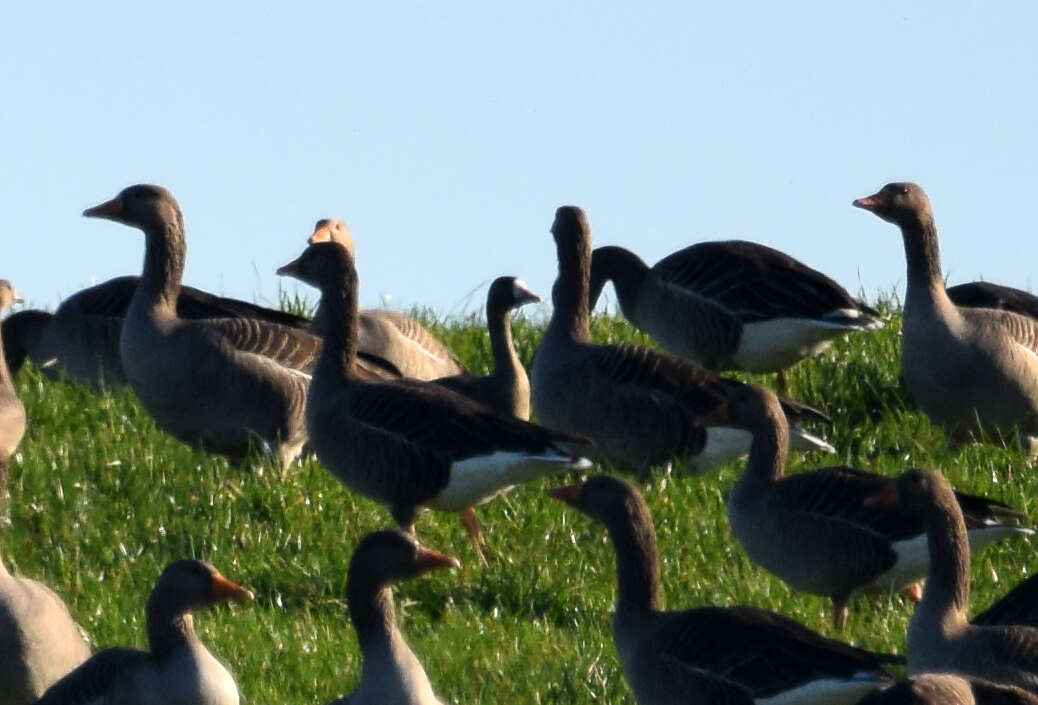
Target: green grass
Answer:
pixel 100 501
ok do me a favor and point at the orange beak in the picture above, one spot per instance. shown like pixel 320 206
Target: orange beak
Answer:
pixel 886 497
pixel 109 209
pixel 870 203
pixel 16 298
pixel 321 234
pixel 429 559
pixel 224 589
pixel 570 494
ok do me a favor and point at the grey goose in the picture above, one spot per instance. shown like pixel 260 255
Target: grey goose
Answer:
pixel 642 407
pixel 80 340
pixel 968 369
pixel 393 336
pixel 177 668
pixel 939 637
pixel 391 674
pixel 731 305
pixel 226 384
pixel 39 642
pixel 948 689
pixel 406 443
pixel 812 529
pixel 506 389
pixel 711 655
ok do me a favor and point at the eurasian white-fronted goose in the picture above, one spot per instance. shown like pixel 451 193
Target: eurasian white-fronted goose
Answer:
pixel 391 335
pixel 80 340
pixel 177 668
pixel 391 673
pixel 965 367
pixel 408 443
pixel 812 529
pixel 506 389
pixel 731 305
pixel 988 295
pixel 939 637
pixel 227 384
pixel 39 642
pixel 640 406
pixel 948 689
pixel 710 654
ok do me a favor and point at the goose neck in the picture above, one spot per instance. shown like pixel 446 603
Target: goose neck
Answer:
pixel 168 627
pixel 922 253
pixel 570 295
pixel 947 589
pixel 165 250
pixel 499 326
pixel 637 566
pixel 625 269
pixel 768 449
pixel 372 612
pixel 338 310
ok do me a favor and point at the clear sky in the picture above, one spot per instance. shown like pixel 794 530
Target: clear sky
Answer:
pixel 447 133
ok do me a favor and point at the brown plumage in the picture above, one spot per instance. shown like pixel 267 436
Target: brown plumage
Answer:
pixel 709 655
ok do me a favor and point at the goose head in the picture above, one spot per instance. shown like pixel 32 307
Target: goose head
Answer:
pixel 746 406
pixel 390 556
pixel 187 585
pixel 8 295
pixel 507 293
pixel 570 228
pixel 608 499
pixel 900 203
pixel 327 266
pixel 141 206
pixel 332 230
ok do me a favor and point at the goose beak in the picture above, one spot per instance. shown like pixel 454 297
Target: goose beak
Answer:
pixel 16 298
pixel 110 210
pixel 870 203
pixel 570 494
pixel 321 234
pixel 523 294
pixel 429 559
pixel 886 497
pixel 289 270
pixel 224 590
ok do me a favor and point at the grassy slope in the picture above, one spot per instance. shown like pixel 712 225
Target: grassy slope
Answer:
pixel 100 500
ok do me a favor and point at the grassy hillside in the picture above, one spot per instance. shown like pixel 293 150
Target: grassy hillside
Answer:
pixel 100 501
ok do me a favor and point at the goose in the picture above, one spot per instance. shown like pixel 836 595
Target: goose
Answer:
pixel 711 655
pixel 731 305
pixel 225 384
pixel 948 689
pixel 812 530
pixel 390 335
pixel 640 406
pixel 39 641
pixel 968 369
pixel 988 295
pixel 406 443
pixel 506 390
pixel 939 637
pixel 176 668
pixel 80 340
pixel 391 674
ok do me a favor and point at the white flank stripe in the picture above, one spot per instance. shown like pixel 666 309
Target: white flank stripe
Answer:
pixel 478 479
pixel 827 691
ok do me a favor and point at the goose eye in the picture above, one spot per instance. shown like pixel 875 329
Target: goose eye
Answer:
pixel 904 190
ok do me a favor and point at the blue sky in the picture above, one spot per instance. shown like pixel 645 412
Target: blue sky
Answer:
pixel 447 133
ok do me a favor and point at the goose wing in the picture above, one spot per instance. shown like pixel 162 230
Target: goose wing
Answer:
pixel 761 650
pixel 757 282
pixel 96 678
